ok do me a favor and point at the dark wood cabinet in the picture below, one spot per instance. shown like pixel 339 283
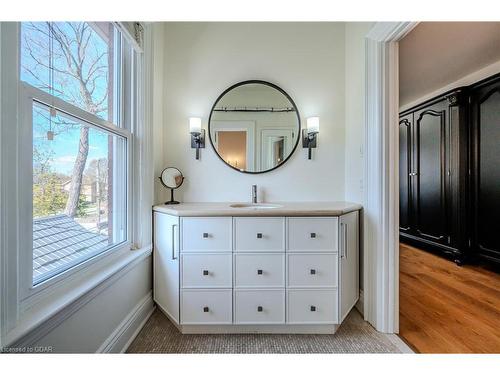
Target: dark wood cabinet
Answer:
pixel 449 173
pixel 485 168
pixel 431 168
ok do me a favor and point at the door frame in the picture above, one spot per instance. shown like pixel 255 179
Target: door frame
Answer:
pixel 247 126
pixel 381 200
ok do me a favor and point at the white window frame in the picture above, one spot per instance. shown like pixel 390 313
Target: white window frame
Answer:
pixel 28 95
pixel 23 306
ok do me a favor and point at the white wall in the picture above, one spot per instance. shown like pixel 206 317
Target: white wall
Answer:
pixel 355 109
pixel 304 59
pixel 355 118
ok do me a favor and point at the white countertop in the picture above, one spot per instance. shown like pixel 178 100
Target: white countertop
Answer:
pixel 283 209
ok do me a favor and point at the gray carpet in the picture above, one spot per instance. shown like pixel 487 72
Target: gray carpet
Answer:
pixel 355 335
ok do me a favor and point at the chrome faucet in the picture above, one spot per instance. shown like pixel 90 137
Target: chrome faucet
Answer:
pixel 254 193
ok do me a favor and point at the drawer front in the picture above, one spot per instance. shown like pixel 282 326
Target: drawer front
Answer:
pixel 313 234
pixel 312 306
pixel 210 306
pixel 206 270
pixel 259 234
pixel 206 234
pixel 259 306
pixel 259 270
pixel 312 270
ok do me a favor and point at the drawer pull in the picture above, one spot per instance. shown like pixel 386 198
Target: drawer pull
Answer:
pixel 206 309
pixel 313 308
pixel 313 235
pixel 205 235
pixel 260 309
pixel 205 272
pixel 259 272
pixel 259 235
pixel 313 272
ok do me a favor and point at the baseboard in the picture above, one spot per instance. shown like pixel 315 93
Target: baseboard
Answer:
pixel 360 305
pixel 121 338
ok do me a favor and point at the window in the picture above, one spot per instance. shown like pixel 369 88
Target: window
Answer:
pixel 74 76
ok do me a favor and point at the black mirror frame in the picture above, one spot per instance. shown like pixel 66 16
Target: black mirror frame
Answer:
pixel 274 87
pixel 171 201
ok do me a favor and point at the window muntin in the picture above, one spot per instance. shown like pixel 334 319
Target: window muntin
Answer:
pixel 65 234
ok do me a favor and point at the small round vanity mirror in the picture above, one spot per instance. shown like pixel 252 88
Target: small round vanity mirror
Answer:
pixel 171 178
pixel 254 126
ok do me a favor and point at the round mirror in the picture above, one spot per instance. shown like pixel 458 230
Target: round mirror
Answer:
pixel 254 126
pixel 171 178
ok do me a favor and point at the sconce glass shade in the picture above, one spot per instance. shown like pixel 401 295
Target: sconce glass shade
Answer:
pixel 195 125
pixel 313 125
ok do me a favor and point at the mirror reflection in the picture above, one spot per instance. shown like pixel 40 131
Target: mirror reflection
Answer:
pixel 171 178
pixel 254 126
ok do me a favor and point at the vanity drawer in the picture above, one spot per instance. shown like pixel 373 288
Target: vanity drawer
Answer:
pixel 208 306
pixel 259 306
pixel 312 307
pixel 206 234
pixel 312 270
pixel 259 270
pixel 206 270
pixel 259 233
pixel 313 234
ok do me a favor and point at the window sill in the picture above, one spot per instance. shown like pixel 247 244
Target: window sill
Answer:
pixel 68 293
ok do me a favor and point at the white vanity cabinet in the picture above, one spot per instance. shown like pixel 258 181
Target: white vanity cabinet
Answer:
pixel 284 274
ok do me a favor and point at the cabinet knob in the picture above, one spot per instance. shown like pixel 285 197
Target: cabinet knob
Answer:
pixel 313 235
pixel 206 309
pixel 260 309
pixel 205 235
pixel 313 308
pixel 205 272
pixel 259 235
pixel 259 272
pixel 313 271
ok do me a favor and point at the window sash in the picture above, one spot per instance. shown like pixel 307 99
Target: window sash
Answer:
pixel 28 95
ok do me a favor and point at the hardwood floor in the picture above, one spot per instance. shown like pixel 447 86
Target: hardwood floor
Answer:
pixel 444 308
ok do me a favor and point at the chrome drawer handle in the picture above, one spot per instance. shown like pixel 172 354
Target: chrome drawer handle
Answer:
pixel 205 272
pixel 206 309
pixel 313 235
pixel 313 308
pixel 205 235
pixel 259 272
pixel 260 309
pixel 259 235
pixel 313 271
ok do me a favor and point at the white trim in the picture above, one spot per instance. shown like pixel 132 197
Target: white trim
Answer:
pixel 38 322
pixel 381 206
pixel 9 198
pixel 121 338
pixel 127 34
pixel 360 303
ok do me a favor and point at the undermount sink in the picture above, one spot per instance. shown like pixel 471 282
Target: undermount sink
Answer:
pixel 255 205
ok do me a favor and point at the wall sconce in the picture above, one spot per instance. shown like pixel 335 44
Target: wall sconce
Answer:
pixel 310 135
pixel 197 135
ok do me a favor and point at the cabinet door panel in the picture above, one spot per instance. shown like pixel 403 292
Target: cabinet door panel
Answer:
pixel 349 262
pixel 405 168
pixel 166 264
pixel 486 139
pixel 430 181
